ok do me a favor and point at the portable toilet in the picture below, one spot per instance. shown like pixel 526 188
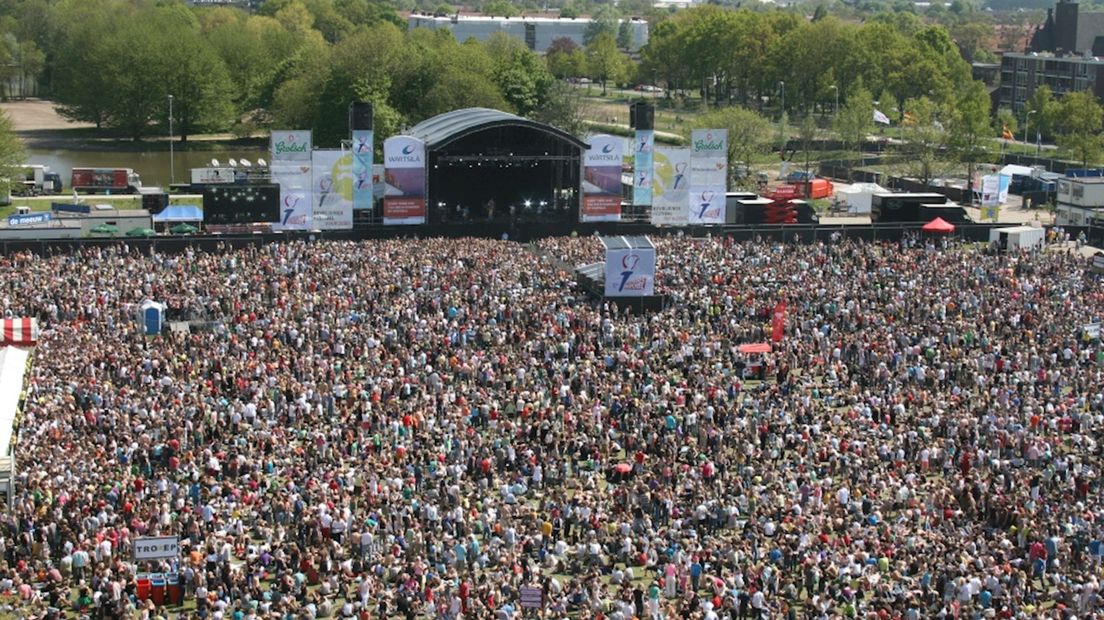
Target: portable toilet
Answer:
pixel 152 317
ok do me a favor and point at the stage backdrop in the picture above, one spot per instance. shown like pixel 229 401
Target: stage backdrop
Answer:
pixel 405 178
pixel 602 180
pixel 362 169
pixel 671 187
pixel 643 171
pixel 708 176
pixel 332 186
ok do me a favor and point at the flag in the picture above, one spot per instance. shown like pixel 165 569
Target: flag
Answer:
pixel 880 118
pixel 778 321
pixel 1038 138
pixel 1006 133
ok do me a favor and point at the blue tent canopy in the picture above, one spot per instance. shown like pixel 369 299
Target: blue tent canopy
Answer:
pixel 179 213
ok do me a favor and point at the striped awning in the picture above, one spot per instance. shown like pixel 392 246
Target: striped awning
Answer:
pixel 19 332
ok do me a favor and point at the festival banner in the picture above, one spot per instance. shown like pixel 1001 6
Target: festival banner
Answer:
pixel 643 172
pixel 291 146
pixel 295 195
pixel 708 176
pixel 405 179
pixel 362 169
pixel 630 273
pixel 212 176
pixel 671 187
pixel 778 321
pixel 602 180
pixel 332 189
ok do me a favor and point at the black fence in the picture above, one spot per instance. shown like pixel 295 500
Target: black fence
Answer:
pixel 797 233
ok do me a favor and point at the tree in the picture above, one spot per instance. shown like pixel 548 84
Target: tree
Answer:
pixel 603 21
pixel 922 138
pixel 604 61
pixel 1079 121
pixel 561 108
pixel 500 8
pixel 855 120
pixel 11 150
pixel 749 134
pixel 1042 112
pixel 968 130
pixel 565 59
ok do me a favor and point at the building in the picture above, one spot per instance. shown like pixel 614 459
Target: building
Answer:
pixel 538 33
pixel 1021 74
pixel 1079 201
pixel 1062 55
pixel 1068 31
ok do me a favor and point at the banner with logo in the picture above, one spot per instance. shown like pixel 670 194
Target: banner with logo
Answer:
pixel 630 273
pixel 295 195
pixel 362 169
pixel 405 179
pixel 602 180
pixel 671 187
pixel 332 189
pixel 212 176
pixel 778 321
pixel 708 175
pixel 643 171
pixel 291 145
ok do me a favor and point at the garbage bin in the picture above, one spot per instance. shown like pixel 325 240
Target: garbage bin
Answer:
pixel 174 589
pixel 142 586
pixel 157 589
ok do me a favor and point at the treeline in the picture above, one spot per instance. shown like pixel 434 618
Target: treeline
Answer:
pixel 298 63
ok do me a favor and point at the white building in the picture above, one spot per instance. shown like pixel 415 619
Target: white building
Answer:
pixel 537 33
pixel 1079 200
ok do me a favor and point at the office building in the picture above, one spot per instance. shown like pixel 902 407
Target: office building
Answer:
pixel 538 33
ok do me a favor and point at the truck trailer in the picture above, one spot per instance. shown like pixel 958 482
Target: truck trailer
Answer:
pixel 105 181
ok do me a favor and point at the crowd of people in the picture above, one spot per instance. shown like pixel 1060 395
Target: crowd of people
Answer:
pixel 439 429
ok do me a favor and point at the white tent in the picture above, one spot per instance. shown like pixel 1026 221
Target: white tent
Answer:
pixel 1014 170
pixel 858 196
pixel 1013 238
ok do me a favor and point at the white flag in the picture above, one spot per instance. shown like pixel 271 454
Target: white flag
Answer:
pixel 880 118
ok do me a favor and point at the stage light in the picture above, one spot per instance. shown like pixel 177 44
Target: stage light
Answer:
pixel 528 204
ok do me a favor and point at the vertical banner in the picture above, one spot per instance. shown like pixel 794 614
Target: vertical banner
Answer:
pixel 332 190
pixel 296 210
pixel 708 176
pixel 291 145
pixel 362 169
pixel 990 190
pixel 602 180
pixel 671 187
pixel 405 179
pixel 643 170
pixel 630 273
pixel 778 321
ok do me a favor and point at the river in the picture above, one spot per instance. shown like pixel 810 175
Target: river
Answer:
pixel 154 167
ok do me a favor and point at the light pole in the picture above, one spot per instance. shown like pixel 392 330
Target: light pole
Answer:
pixel 172 159
pixel 782 120
pixel 782 87
pixel 1027 123
pixel 835 107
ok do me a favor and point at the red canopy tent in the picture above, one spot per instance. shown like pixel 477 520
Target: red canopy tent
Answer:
pixel 758 347
pixel 939 225
pixel 20 332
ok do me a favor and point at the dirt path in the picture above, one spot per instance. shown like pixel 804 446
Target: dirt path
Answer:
pixel 38 115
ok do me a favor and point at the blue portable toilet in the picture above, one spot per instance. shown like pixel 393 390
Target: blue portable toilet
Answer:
pixel 152 317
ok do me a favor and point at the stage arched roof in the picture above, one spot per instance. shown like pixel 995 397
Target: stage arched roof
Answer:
pixel 446 128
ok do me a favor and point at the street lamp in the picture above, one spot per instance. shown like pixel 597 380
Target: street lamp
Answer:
pixel 782 87
pixel 1027 123
pixel 835 108
pixel 172 159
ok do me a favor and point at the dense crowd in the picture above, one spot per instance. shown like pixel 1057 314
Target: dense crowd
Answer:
pixel 425 428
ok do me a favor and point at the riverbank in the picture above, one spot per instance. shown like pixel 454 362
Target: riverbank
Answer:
pixel 40 127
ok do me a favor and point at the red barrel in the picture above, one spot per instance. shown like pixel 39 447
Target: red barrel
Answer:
pixel 142 586
pixel 157 589
pixel 174 589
